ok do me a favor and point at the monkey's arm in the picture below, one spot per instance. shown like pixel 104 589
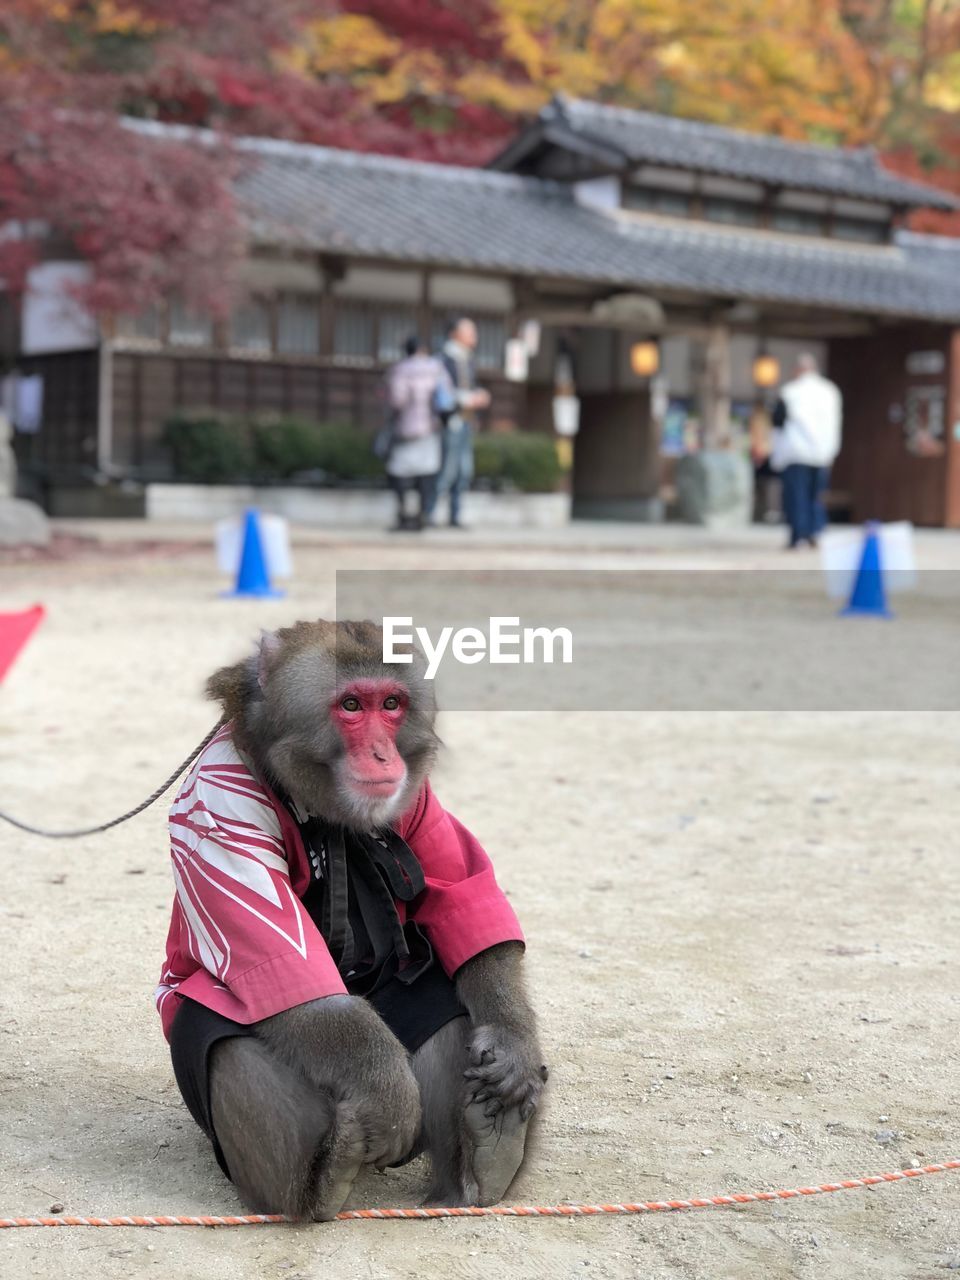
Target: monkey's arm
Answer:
pixel 478 938
pixel 492 988
pixel 506 1066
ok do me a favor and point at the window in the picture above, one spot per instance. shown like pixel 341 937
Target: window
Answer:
pixel 800 222
pixel 860 229
pixel 298 326
pixel 250 327
pixel 189 328
pixel 353 331
pixel 394 326
pixel 675 204
pixel 738 212
pixel 491 340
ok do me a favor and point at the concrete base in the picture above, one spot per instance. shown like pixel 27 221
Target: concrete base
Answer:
pixel 641 510
pixel 715 489
pixel 97 502
pixel 22 524
pixel 346 508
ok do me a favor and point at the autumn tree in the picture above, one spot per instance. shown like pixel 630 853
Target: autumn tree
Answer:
pixel 150 216
pixel 451 80
pixel 457 76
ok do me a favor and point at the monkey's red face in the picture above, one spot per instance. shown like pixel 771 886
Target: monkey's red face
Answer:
pixel 368 715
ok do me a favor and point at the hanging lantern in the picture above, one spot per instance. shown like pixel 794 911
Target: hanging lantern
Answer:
pixel 766 370
pixel 644 359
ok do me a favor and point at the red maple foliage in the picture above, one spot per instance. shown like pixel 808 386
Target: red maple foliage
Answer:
pixel 939 164
pixel 151 216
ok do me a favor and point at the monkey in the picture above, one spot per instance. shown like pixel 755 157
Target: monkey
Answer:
pixel 344 979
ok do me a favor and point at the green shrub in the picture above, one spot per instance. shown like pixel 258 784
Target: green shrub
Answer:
pixel 207 447
pixel 346 452
pixel 523 460
pixel 210 447
pixel 284 446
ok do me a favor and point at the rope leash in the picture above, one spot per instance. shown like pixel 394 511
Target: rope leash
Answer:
pixel 501 1211
pixel 115 822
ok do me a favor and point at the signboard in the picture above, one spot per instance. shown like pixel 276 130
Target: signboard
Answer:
pixel 675 433
pixel 52 319
pixel 924 424
pixel 925 363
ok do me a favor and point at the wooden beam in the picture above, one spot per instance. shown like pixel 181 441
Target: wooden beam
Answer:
pixel 716 387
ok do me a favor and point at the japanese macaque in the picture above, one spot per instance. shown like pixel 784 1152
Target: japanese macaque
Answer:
pixel 302 1081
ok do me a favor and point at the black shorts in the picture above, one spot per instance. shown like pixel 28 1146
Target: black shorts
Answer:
pixel 413 1011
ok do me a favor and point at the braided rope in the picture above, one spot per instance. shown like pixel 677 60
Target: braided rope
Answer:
pixel 115 822
pixel 501 1211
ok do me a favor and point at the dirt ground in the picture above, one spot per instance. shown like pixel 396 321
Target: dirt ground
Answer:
pixel 743 939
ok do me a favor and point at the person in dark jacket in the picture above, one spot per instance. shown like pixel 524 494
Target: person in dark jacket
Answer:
pixel 457 470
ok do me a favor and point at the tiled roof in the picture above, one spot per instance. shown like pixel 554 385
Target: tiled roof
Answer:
pixel 641 136
pixel 940 255
pixel 317 199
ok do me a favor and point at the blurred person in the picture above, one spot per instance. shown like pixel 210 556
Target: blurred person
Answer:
pixel 456 472
pixel 808 418
pixel 766 482
pixel 414 452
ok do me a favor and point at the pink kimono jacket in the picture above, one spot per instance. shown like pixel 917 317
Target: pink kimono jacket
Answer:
pixel 240 940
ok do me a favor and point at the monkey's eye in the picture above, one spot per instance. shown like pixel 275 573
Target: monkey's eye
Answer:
pixel 391 703
pixel 350 704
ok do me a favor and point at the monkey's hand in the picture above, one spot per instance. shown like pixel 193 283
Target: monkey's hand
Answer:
pixel 343 1045
pixel 505 1070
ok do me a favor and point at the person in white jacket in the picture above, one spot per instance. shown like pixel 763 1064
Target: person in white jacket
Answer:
pixel 808 421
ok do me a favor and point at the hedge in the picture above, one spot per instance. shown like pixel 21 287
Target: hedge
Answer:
pixel 523 460
pixel 286 446
pixel 210 447
pixel 217 448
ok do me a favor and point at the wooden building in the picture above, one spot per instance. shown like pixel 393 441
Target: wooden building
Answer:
pixel 610 229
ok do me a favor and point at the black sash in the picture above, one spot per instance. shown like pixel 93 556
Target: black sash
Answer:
pixel 356 882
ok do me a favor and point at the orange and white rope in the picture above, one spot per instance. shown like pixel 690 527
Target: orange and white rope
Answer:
pixel 500 1211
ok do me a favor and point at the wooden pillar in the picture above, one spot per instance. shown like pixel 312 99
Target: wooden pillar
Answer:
pixel 330 274
pixel 424 313
pixel 952 430
pixel 104 384
pixel 716 387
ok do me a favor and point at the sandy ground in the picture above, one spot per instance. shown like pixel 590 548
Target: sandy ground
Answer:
pixel 743 938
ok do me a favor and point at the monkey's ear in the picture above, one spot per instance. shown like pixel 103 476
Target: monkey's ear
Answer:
pixel 267 648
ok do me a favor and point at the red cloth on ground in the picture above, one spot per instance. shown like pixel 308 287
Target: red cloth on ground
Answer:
pixel 15 630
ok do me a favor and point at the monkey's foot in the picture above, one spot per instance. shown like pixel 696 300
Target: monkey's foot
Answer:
pixel 494 1150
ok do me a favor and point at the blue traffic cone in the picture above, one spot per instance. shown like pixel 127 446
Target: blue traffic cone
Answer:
pixel 869 595
pixel 253 579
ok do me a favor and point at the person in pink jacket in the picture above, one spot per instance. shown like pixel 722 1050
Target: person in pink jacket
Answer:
pixel 415 451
